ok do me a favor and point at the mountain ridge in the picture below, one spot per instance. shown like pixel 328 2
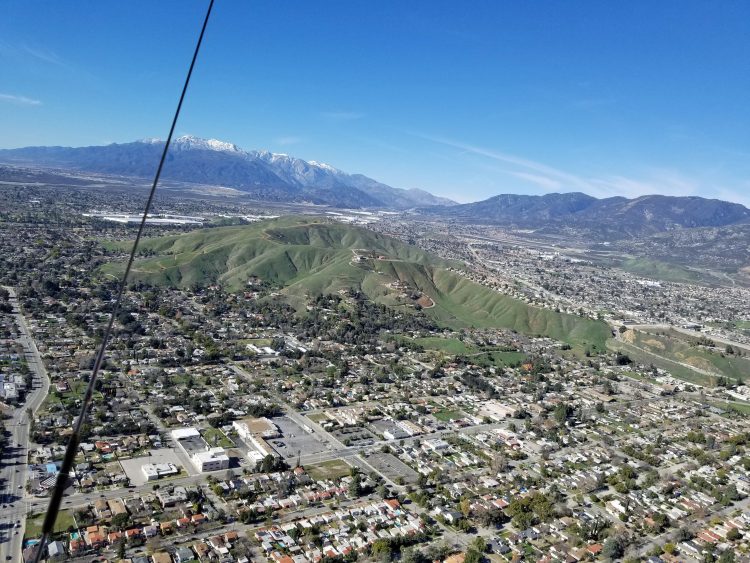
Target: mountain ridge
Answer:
pixel 613 217
pixel 281 178
pixel 263 174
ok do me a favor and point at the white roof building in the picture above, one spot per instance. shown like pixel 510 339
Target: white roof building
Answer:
pixel 211 460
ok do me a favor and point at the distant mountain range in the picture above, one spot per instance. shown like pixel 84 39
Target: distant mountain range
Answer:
pixel 614 217
pixel 281 178
pixel 260 174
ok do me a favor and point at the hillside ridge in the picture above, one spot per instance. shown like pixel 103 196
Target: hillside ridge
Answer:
pixel 306 258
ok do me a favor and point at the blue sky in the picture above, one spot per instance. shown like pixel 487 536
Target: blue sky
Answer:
pixel 466 100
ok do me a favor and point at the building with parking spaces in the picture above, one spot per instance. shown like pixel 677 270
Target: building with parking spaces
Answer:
pixel 202 456
pixel 255 432
pixel 262 427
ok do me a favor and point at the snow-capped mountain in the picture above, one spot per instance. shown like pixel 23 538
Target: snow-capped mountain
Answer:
pixel 262 174
pixel 297 171
pixel 188 142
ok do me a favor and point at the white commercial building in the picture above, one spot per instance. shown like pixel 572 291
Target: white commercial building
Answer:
pixel 202 456
pixel 154 471
pixel 435 445
pixel 211 460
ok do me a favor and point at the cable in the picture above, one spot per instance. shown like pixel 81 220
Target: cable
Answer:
pixel 72 448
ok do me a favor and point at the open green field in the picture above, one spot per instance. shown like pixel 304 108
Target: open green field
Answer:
pixel 215 437
pixel 333 469
pixel 308 257
pixel 64 521
pixel 685 349
pixel 640 377
pixel 447 415
pixel 485 357
pixel 643 357
pixel 737 406
pixel 76 391
pixel 498 359
pixel 448 345
pixel 659 270
pixel 682 357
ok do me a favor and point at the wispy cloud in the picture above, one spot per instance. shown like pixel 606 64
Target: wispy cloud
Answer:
pixel 342 115
pixel 44 55
pixel 27 52
pixel 541 181
pixel 541 172
pixel 663 182
pixel 35 55
pixel 380 143
pixel 549 178
pixel 19 100
pixel 288 140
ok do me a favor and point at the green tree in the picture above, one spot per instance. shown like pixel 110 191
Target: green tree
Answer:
pixel 381 550
pixel 120 521
pixel 613 548
pixel 355 488
pixel 562 412
pixel 479 544
pixel 121 549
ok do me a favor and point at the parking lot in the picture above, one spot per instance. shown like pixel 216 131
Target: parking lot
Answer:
pixel 132 467
pixel 392 467
pixel 295 440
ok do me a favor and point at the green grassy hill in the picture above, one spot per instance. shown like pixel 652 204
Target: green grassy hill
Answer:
pixel 308 256
pixel 688 351
pixel 664 271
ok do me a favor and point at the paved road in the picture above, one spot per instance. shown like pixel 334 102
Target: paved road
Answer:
pixel 13 464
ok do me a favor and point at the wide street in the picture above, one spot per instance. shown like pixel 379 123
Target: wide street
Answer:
pixel 13 464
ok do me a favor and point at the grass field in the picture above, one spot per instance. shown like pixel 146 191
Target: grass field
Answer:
pixel 448 345
pixel 215 437
pixel 485 357
pixel 684 349
pixel 495 358
pixel 643 357
pixel 737 406
pixel 447 415
pixel 76 391
pixel 640 377
pixel 333 469
pixel 318 417
pixel 660 270
pixel 64 521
